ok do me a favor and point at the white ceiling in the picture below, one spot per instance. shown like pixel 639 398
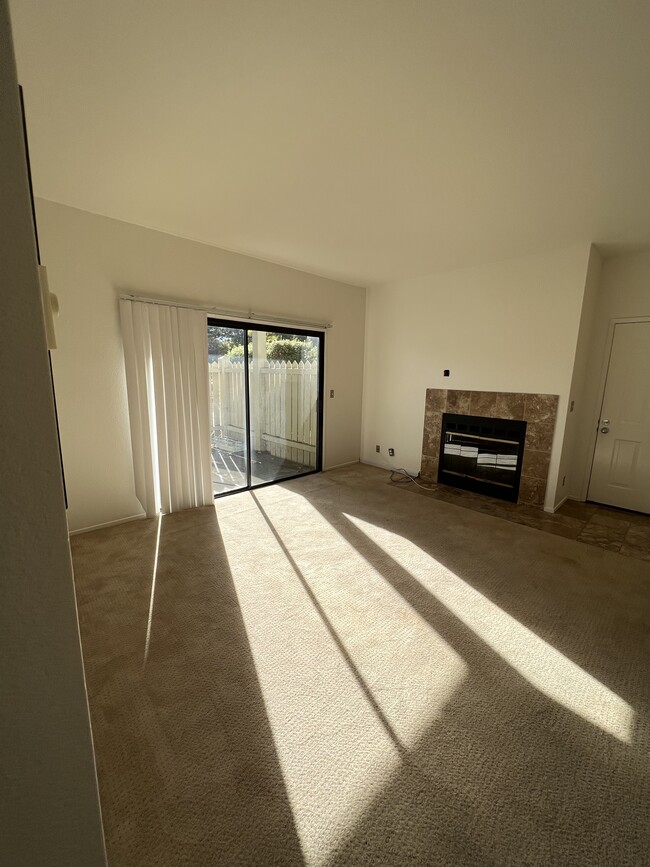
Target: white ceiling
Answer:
pixel 367 140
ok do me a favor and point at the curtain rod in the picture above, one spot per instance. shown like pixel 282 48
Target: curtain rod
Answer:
pixel 235 315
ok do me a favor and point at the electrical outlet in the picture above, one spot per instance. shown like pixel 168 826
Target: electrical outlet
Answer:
pixel 391 453
pixel 377 449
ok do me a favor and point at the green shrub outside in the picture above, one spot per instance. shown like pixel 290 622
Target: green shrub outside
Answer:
pixel 290 349
pixel 281 349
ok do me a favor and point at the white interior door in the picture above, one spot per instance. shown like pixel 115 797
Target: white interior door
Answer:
pixel 620 474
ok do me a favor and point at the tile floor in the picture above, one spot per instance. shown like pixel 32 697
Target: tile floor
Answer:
pixel 616 530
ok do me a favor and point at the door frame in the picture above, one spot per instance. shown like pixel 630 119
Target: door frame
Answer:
pixel 602 385
pixel 247 326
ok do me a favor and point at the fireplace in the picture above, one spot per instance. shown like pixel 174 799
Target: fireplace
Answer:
pixel 539 411
pixel 482 454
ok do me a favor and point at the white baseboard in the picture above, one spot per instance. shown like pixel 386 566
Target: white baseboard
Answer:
pixel 562 502
pixel 389 467
pixel 107 524
pixel 338 466
pixel 375 464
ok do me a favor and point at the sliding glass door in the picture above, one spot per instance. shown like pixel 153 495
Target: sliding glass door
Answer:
pixel 265 404
pixel 228 408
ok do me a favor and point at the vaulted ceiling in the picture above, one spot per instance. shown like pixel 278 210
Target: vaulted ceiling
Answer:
pixel 367 140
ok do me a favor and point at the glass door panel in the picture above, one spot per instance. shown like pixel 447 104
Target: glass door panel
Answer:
pixel 228 408
pixel 265 404
pixel 284 404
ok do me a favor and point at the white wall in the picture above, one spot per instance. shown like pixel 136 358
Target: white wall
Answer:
pixel 91 260
pixel 49 805
pixel 571 465
pixel 624 291
pixel 511 326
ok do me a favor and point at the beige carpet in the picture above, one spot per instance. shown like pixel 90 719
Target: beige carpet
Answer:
pixel 336 672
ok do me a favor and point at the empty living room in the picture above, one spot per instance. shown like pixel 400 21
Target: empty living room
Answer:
pixel 325 433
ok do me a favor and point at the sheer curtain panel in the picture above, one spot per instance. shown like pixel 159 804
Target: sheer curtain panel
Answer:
pixel 166 361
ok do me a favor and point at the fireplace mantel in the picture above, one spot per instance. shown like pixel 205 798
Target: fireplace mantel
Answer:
pixel 538 410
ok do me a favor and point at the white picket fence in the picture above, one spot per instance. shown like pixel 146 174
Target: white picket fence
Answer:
pixel 283 407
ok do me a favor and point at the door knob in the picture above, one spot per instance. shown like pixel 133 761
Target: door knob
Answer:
pixel 604 430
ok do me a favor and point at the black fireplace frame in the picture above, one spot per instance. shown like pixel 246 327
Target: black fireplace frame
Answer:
pixel 512 431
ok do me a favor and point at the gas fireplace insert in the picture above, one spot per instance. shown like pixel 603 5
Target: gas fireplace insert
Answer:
pixel 482 454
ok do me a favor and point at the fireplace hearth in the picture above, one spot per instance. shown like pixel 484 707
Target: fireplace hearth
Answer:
pixel 482 454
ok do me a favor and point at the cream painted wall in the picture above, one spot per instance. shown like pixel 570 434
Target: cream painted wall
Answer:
pixel 571 466
pixel 511 326
pixel 91 260
pixel 49 805
pixel 624 291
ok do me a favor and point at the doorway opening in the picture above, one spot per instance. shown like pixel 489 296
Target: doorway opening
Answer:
pixel 266 386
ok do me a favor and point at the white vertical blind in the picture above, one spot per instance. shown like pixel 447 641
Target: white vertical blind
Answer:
pixel 166 360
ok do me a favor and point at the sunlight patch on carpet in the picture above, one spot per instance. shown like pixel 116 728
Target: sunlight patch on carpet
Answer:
pixel 351 675
pixel 541 664
pixel 153 592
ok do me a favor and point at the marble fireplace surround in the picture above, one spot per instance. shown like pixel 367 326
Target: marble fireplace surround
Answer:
pixel 538 410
